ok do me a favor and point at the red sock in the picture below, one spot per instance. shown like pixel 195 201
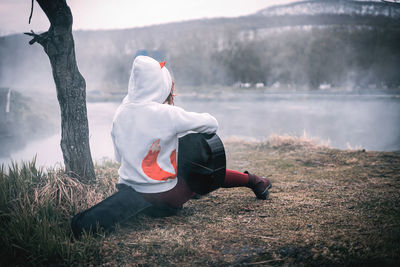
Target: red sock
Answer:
pixel 235 179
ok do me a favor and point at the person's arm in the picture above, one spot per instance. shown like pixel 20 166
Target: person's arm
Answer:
pixel 193 121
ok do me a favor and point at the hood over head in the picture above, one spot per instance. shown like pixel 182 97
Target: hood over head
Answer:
pixel 149 81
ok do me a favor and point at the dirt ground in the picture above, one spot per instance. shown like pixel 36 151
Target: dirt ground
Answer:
pixel 326 207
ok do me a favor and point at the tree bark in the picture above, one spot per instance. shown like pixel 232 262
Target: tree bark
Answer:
pixel 58 43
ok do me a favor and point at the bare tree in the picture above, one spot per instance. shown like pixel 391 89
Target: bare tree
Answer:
pixel 58 43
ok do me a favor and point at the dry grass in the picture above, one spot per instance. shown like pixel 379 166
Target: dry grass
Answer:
pixel 35 212
pixel 69 194
pixel 326 207
pixel 289 141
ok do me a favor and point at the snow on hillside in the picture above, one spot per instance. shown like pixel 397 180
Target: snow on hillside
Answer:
pixel 347 7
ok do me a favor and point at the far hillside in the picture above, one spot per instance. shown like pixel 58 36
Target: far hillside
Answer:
pixel 306 45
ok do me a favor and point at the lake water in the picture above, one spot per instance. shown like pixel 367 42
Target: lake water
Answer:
pixel 370 121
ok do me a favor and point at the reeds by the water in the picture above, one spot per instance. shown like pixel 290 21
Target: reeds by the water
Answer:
pixel 281 141
pixel 36 208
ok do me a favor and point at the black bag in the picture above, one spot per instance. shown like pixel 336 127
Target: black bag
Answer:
pixel 202 162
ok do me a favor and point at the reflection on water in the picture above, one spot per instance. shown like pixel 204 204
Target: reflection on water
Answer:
pixel 365 121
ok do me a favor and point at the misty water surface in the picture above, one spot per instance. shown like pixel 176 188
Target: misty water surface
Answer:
pixel 359 121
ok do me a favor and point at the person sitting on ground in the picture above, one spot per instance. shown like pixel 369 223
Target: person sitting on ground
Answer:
pixel 145 132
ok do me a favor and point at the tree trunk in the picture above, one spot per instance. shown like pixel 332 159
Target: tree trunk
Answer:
pixel 58 43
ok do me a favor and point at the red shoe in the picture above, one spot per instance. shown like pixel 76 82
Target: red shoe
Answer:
pixel 259 185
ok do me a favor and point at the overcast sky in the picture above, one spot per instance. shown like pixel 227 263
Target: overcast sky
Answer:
pixel 111 14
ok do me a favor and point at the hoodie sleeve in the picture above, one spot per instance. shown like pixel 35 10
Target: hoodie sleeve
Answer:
pixel 116 153
pixel 192 121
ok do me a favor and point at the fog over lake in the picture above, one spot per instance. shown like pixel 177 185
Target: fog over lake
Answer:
pixel 346 120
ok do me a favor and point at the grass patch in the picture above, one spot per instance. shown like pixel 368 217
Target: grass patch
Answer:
pixel 326 207
pixel 35 212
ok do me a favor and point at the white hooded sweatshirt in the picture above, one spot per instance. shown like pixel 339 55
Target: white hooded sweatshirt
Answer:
pixel 145 131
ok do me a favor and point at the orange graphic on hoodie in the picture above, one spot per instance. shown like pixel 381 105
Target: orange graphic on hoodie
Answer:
pixel 150 166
